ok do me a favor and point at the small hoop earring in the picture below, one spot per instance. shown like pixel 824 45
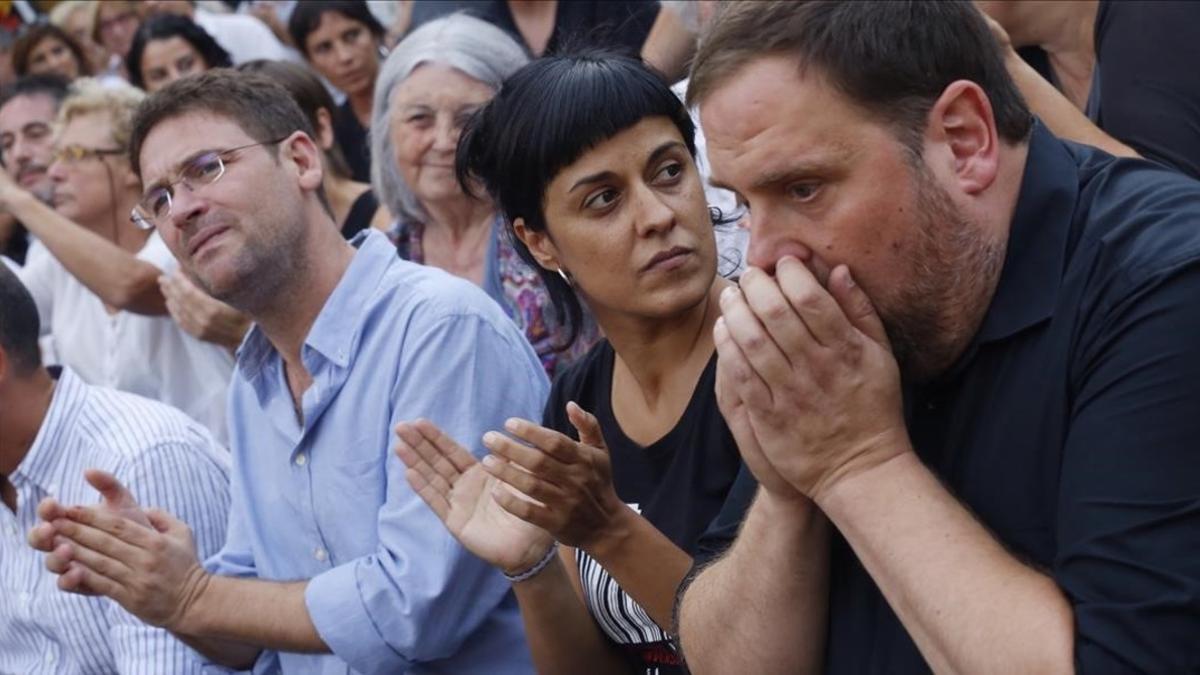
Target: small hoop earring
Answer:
pixel 566 279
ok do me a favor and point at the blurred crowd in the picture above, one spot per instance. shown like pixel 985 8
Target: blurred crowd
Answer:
pixel 590 336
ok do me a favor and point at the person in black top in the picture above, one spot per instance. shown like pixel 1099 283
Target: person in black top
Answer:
pixel 351 203
pixel 343 42
pixel 546 27
pixel 590 157
pixel 1125 71
pixel 969 346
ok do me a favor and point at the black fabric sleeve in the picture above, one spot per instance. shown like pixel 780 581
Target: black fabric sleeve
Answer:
pixel 1147 54
pixel 1129 501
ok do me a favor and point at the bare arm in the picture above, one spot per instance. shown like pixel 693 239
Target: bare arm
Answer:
pixel 118 277
pixel 228 615
pixel 762 607
pixel 670 44
pixel 1057 111
pixel 563 637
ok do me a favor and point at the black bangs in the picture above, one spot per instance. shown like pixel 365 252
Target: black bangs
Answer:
pixel 549 113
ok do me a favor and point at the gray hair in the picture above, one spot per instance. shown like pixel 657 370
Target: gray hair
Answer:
pixel 476 48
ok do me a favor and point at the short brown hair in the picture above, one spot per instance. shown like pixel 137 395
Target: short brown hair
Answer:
pixel 893 59
pixel 24 46
pixel 262 108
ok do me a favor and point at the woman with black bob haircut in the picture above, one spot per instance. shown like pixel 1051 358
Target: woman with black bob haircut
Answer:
pixel 590 157
pixel 167 47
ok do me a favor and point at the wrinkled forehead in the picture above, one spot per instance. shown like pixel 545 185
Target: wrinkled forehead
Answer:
pixel 22 110
pixel 174 139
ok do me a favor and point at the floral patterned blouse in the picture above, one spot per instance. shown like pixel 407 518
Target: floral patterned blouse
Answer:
pixel 516 286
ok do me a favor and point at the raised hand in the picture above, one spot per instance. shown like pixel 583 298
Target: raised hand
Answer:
pixel 567 484
pixel 813 369
pixel 200 315
pixel 462 494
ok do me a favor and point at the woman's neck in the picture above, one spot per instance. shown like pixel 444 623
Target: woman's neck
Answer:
pixel 458 219
pixel 342 192
pixel 360 105
pixel 651 352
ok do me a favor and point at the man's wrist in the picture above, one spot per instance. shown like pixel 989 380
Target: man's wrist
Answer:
pixel 854 486
pixel 193 619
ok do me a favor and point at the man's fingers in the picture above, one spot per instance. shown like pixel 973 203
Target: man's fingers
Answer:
pixel 459 456
pixel 75 555
pixel 83 581
pixel 776 315
pixel 49 509
pixel 738 373
pixel 42 537
pixel 759 348
pixel 115 495
pixel 106 532
pixel 812 302
pixel 857 307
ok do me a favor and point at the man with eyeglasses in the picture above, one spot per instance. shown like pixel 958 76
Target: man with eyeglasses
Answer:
pixel 97 292
pixel 332 562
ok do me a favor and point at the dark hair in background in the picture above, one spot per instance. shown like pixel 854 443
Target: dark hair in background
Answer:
pixel 893 59
pixel 546 116
pixel 30 39
pixel 37 85
pixel 307 16
pixel 309 94
pixel 165 27
pixel 19 325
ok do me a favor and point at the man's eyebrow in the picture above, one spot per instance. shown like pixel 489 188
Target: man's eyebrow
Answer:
pixel 177 169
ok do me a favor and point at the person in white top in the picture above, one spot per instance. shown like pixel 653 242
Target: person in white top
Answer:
pixel 245 37
pixel 97 293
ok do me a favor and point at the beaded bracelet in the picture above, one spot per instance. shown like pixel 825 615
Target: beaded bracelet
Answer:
pixel 537 567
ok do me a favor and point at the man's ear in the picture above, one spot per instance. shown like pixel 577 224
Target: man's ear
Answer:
pixel 539 244
pixel 961 128
pixel 303 153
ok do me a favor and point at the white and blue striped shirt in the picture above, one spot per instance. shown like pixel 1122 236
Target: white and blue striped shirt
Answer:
pixel 167 461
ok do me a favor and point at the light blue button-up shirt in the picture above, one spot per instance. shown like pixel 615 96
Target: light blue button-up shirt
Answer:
pixel 326 499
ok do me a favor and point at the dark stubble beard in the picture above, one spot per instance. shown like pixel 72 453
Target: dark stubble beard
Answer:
pixel 954 268
pixel 264 267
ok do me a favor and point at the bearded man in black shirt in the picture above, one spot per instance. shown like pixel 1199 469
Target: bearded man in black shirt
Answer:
pixel 963 366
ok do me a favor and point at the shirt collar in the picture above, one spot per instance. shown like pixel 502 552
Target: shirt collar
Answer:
pixel 339 323
pixel 1033 264
pixel 40 465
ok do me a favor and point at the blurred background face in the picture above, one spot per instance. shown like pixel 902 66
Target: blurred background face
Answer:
pixel 164 61
pixel 27 142
pixel 85 188
pixel 427 114
pixel 344 52
pixel 117 25
pixel 79 25
pixel 52 56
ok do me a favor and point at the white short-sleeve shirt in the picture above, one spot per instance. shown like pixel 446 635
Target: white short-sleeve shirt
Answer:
pixel 146 355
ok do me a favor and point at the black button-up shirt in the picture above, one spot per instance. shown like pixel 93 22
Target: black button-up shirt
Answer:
pixel 1071 425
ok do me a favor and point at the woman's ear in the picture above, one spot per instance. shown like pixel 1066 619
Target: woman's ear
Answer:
pixel 538 243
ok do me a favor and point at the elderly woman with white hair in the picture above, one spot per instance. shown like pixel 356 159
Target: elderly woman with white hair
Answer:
pixel 427 89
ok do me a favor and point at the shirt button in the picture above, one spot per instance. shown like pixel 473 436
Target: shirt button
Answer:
pixel 49 657
pixel 320 555
pixel 301 459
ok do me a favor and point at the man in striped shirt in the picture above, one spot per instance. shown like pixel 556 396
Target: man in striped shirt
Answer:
pixel 62 438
